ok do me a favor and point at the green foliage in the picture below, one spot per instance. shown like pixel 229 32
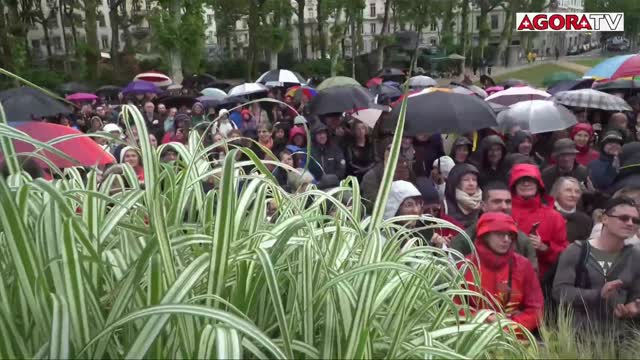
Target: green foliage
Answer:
pixel 320 67
pixel 168 271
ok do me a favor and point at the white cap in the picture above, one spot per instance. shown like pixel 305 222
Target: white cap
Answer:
pixel 111 127
pixel 445 164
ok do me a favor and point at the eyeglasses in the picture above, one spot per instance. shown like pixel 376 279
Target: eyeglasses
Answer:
pixel 626 218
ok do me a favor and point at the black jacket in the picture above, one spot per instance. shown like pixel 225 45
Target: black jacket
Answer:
pixel 327 158
pixel 553 173
pixel 453 210
pixel 487 173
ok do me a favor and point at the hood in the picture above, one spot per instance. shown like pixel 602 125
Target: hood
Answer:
pixel 520 171
pixel 485 145
pixel 630 157
pixel 445 164
pixel 454 178
pixel 400 191
pixel 196 105
pixel 112 127
pixel 124 151
pixel 318 127
pixel 460 141
pixel 495 221
pixel 492 222
pixel 297 130
pixel 582 127
pixel 428 190
pixel 517 139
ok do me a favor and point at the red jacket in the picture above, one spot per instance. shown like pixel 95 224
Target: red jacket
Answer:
pixel 527 212
pixel 586 154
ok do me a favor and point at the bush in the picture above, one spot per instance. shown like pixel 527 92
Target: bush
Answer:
pixel 314 68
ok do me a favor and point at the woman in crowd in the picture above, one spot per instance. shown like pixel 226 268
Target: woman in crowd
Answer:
pixel 463 197
pixel 567 193
pixel 461 150
pixel 582 135
pixel 131 156
pixel 360 154
pixel 182 124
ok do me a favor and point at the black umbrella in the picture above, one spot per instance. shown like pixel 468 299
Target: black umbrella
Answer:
pixel 339 100
pixel 224 86
pixel 385 92
pixel 627 86
pixel 513 83
pixel 73 87
pixel 176 101
pixel 232 101
pixel 387 73
pixel 566 85
pixel 24 104
pixel 198 81
pixel 443 112
pixel 108 91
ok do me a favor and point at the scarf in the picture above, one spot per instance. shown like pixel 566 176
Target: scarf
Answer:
pixel 468 203
pixel 562 211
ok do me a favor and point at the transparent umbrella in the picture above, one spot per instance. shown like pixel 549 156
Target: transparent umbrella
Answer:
pixel 537 116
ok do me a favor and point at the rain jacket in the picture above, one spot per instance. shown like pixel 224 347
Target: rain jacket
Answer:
pixel 452 208
pixel 461 141
pixel 585 153
pixel 487 173
pixel 588 307
pixel 400 191
pixel 629 171
pixel 508 280
pixel 297 130
pixel 527 212
pixel 602 171
pixel 514 143
pixel 426 153
pixel 327 158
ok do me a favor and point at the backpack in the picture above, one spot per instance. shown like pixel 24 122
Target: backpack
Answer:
pixel 582 278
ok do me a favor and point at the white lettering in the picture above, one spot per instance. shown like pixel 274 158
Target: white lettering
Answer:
pixel 613 23
pixel 595 20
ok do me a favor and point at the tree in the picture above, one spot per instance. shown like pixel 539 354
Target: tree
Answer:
pixel 383 40
pixel 92 54
pixel 418 12
pixel 484 30
pixel 321 14
pixel 302 35
pixel 274 29
pixel 42 16
pixel 227 13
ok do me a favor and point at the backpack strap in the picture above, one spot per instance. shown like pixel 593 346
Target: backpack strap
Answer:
pixel 582 281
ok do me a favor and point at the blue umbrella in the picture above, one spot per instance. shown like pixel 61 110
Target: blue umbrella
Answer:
pixel 140 87
pixel 566 85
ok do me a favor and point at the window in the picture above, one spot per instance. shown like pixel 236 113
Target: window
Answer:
pixel 209 19
pixel 494 22
pixel 245 25
pixel 35 45
pixel 104 39
pixel 433 41
pixel 477 22
pixel 245 38
pixel 101 20
pixel 52 22
pixel 209 36
pixel 57 43
pixel 434 26
pixel 148 3
pixel 373 44
pixel 372 9
pixel 372 27
pixel 401 26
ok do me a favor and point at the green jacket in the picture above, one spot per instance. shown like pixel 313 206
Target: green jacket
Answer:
pixel 523 245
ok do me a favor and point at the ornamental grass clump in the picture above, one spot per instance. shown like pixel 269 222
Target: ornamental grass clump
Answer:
pixel 164 270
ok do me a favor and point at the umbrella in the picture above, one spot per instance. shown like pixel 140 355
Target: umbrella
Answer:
pixel 387 73
pixel 174 87
pixel 537 116
pixel 83 149
pixel 473 89
pixel 591 99
pixel 557 76
pixel 198 80
pixel 616 67
pixel 421 81
pixel 456 57
pixel 73 87
pixel 513 83
pixel 176 101
pixel 443 112
pixel 108 91
pixel 497 107
pixel 232 101
pixel 513 95
pixel 296 92
pixel 155 77
pixel 140 87
pixel 214 93
pixel 385 92
pixel 373 82
pixel 566 85
pixel 209 101
pixel 493 89
pixel 369 116
pixel 628 86
pixel 224 86
pixel 420 92
pixel 24 104
pixel 340 99
pixel 77 97
pixel 285 77
pixel 337 81
pixel 247 89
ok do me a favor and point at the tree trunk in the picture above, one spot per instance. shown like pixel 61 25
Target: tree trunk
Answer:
pixel 7 51
pixel 47 41
pixel 302 36
pixel 354 45
pixel 273 60
pixel 383 33
pixel 484 30
pixel 322 39
pixel 175 55
pixel 253 46
pixel 414 60
pixel 336 39
pixel 464 26
pixel 115 36
pixel 505 36
pixel 91 29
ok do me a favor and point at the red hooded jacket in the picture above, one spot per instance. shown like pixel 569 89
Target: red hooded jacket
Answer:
pixel 552 227
pixel 508 280
pixel 586 154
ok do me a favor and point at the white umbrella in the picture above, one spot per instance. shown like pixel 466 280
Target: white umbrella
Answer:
pixel 214 93
pixel 281 76
pixel 516 94
pixel 421 81
pixel 247 89
pixel 537 116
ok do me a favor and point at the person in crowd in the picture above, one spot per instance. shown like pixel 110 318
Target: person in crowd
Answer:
pixel 463 197
pixel 508 279
pixel 162 112
pixel 490 160
pixel 598 278
pixel 168 121
pixel 223 124
pixel 372 179
pixel 149 113
pixel 407 150
pixel 247 122
pixel 197 113
pixel 327 157
pixel 182 124
pixel 299 183
pixel 633 193
pixel 28 164
pixel 95 124
pixel 298 137
pixel 265 140
pixel 432 206
pixel 620 121
pixel 279 137
pixel 428 148
pixel 131 139
pixel 404 200
pixel 131 156
pixel 280 173
pixel 440 172
pixel 564 153
pixel 461 150
pixel 496 197
pixel 567 193
pixel 629 170
pixel 603 170
pixel 259 114
pixel 169 154
pixel 582 135
pixel 360 154
pixel 535 215
pixel 153 141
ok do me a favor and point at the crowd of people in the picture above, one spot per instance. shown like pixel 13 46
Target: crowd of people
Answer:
pixel 554 217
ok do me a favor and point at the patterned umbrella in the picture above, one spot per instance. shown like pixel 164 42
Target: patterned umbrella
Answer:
pixel 516 94
pixel 286 77
pixel 627 86
pixel 616 67
pixel 155 77
pixel 591 99
pixel 296 92
pixel 337 81
pixel 493 89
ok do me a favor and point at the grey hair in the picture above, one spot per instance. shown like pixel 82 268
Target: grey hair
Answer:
pixel 555 189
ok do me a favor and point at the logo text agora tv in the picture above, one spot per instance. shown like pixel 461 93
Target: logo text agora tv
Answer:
pixel 570 21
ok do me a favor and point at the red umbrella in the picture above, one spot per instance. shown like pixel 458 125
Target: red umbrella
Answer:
pixel 83 149
pixel 81 97
pixel 155 77
pixel 373 82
